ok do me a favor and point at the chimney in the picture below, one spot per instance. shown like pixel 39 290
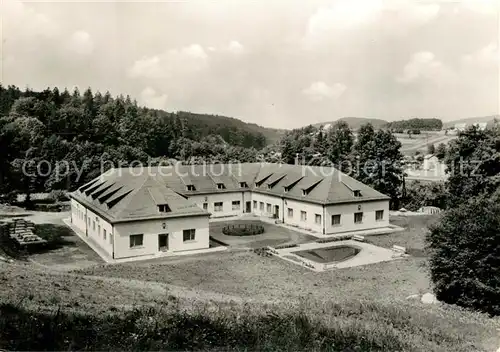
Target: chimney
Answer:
pixel 296 159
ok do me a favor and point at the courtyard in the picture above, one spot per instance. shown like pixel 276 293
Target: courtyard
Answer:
pixel 273 235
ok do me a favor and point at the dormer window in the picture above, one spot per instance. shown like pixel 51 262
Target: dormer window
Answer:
pixel 191 188
pixel 286 189
pixel 164 208
pixel 243 185
pixel 304 192
pixel 221 186
pixel 269 186
pixel 357 193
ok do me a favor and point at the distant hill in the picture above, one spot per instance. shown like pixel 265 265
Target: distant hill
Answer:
pixel 232 130
pixel 471 120
pixel 356 122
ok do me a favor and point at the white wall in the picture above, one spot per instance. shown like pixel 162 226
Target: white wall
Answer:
pixel 267 199
pixel 84 219
pixel 310 209
pixel 152 228
pixel 346 211
pixel 225 198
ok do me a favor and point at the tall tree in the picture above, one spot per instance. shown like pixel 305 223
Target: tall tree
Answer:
pixel 340 141
pixel 465 255
pixel 379 161
pixel 473 164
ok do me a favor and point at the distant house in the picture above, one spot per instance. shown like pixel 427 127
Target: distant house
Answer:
pixel 460 127
pixel 481 126
pixel 432 163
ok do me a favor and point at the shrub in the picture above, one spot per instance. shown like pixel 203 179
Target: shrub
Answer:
pixel 243 230
pixel 334 239
pixel 59 195
pixel 283 246
pixel 465 255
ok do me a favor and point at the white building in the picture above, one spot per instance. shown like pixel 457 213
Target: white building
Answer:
pixel 136 212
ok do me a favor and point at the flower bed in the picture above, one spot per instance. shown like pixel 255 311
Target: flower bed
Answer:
pixel 243 230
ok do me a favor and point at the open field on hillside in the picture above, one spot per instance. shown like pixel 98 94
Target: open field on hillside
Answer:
pixel 364 306
pixel 419 142
pixel 251 276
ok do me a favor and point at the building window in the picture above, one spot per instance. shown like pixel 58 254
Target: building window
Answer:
pixel 261 205
pixel 136 240
pixel 205 206
pixel 317 219
pixel 164 208
pixel 357 193
pixel 188 235
pixel 268 207
pixel 104 233
pixel 243 185
pixel 303 216
pixel 336 219
pixel 218 206
pixel 93 225
pixel 220 186
pixel 235 205
pixel 191 188
pixel 358 218
pixel 290 212
pixel 99 230
pixel 255 204
pixel 379 215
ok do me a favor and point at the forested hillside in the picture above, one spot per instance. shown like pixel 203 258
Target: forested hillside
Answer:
pixel 416 124
pixel 355 123
pixel 75 133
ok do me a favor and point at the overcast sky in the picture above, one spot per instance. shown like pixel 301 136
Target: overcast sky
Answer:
pixel 276 63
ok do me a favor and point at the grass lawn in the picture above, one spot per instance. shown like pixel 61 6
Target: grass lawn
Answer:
pixel 273 235
pixel 66 250
pixel 366 303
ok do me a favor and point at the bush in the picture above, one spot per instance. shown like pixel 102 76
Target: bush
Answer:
pixel 465 255
pixel 420 194
pixel 59 195
pixel 243 230
pixel 334 239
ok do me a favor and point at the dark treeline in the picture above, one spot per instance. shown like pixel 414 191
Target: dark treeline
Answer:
pixel 374 158
pixel 83 130
pixel 415 124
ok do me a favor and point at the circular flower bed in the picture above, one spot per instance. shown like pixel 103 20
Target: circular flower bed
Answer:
pixel 243 230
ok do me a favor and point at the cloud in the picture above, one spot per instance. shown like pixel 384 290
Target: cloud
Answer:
pixel 319 91
pixel 151 99
pixel 343 14
pixel 486 56
pixel 235 47
pixel 424 66
pixel 483 7
pixel 351 14
pixel 189 59
pixel 21 20
pixel 81 43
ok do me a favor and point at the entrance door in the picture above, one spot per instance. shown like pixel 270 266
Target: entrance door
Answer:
pixel 276 211
pixel 249 207
pixel 163 242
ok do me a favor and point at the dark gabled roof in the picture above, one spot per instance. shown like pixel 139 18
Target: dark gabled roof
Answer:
pixel 127 197
pixel 125 194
